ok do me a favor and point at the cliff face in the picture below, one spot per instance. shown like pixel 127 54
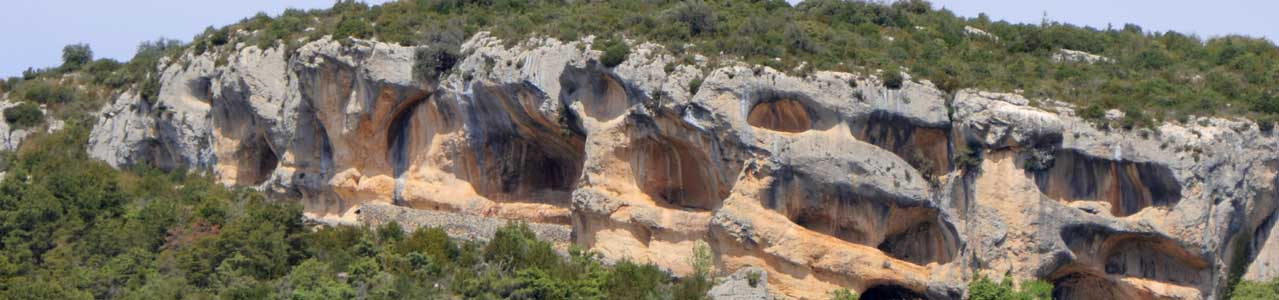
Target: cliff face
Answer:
pixel 824 181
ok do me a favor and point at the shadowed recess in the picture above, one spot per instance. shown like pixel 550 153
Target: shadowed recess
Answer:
pixel 1145 256
pixel 1128 186
pixel 925 148
pixel 911 233
pixel 679 165
pixel 518 153
pixel 602 94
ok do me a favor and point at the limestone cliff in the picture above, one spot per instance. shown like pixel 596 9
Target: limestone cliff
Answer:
pixel 826 180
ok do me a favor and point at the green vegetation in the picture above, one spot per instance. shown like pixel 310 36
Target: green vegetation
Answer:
pixel 23 115
pixel 983 288
pixel 1160 75
pixel 76 55
pixel 1251 290
pixel 615 52
pixel 843 294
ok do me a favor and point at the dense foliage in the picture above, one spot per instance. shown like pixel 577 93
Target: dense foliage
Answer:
pixel 1148 75
pixel 982 288
pixel 23 115
pixel 1251 290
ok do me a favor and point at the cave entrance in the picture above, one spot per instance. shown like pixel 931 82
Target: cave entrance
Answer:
pixel 925 148
pixel 1128 186
pixel 891 292
pixel 517 153
pixel 911 233
pixel 922 243
pixel 677 173
pixel 783 114
pixel 256 161
pixel 602 95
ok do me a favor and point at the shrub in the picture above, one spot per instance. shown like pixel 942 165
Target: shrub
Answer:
pixel 893 79
pixel 353 27
pixel 982 288
pixel 843 294
pixel 23 115
pixel 615 52
pixel 695 16
pixel 442 52
pixel 76 55
pixel 694 86
pixel 753 278
pixel 43 92
pixel 1252 290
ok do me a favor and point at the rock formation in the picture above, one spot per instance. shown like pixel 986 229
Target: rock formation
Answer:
pixel 822 181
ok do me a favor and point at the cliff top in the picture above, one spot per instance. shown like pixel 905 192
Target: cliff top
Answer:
pixel 1148 75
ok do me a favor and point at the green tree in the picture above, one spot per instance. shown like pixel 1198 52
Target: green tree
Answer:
pixel 76 55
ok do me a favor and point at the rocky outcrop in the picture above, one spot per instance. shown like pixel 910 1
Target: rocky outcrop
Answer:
pixel 825 181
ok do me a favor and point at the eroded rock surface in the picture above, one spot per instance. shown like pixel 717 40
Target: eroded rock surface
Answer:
pixel 822 182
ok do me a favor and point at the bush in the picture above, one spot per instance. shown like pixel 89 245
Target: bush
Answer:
pixel 893 79
pixel 76 55
pixel 695 16
pixel 1251 290
pixel 23 115
pixel 694 86
pixel 843 294
pixel 982 288
pixel 442 52
pixel 44 92
pixel 615 52
pixel 353 27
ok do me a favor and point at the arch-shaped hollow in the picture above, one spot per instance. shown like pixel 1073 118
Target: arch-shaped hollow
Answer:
pixel 1128 186
pixel 925 148
pixel 516 152
pixel 891 292
pixel 785 115
pixel 787 112
pixel 256 162
pixel 913 233
pixel 1139 255
pixel 603 96
pixel 679 165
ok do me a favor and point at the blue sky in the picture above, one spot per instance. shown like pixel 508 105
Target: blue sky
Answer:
pixel 35 31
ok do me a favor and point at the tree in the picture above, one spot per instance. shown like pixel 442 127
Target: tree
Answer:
pixel 76 55
pixel 442 52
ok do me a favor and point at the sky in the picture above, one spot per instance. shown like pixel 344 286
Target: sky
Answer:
pixel 34 31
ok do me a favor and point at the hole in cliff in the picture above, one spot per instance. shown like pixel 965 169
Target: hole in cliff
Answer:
pixel 675 164
pixel 787 112
pixel 922 243
pixel 1082 286
pixel 1135 255
pixel 201 88
pixel 783 115
pixel 891 292
pixel 256 162
pixel 602 95
pixel 925 148
pixel 1128 186
pixel 519 154
pixel 908 232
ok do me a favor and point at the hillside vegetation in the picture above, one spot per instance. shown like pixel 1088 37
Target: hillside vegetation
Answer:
pixel 1149 74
